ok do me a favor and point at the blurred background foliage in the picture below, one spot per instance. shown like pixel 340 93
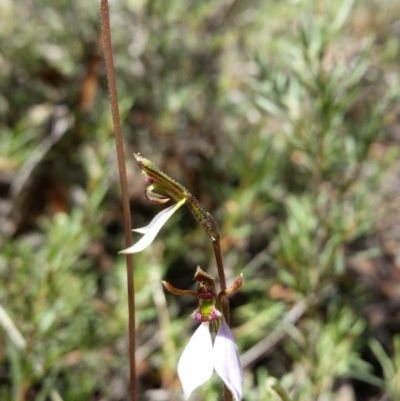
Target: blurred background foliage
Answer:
pixel 281 116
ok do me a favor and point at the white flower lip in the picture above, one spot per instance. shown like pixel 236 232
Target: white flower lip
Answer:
pixel 151 230
pixel 195 364
pixel 200 358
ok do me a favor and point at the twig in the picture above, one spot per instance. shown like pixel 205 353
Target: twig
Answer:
pixel 107 47
pixel 261 348
pixel 59 124
pixel 160 303
pixel 55 395
pixel 11 330
pixel 293 316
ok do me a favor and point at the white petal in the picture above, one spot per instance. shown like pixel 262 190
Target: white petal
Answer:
pixel 226 360
pixel 195 366
pixel 168 212
pixel 151 231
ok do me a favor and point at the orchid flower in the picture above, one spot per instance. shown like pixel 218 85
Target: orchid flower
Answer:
pixel 162 189
pixel 201 357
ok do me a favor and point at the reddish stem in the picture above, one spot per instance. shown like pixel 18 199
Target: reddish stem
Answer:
pixel 224 298
pixel 108 57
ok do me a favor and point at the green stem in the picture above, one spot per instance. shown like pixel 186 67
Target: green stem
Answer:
pixel 278 389
pixel 107 48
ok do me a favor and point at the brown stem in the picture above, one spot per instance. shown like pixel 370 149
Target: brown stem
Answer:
pixel 107 48
pixel 224 298
pixel 222 280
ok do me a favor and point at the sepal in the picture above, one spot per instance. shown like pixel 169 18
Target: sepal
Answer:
pixel 195 365
pixel 151 230
pixel 154 194
pixel 226 360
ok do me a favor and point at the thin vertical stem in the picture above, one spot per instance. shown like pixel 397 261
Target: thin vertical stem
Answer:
pixel 107 48
pixel 222 280
pixel 224 300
